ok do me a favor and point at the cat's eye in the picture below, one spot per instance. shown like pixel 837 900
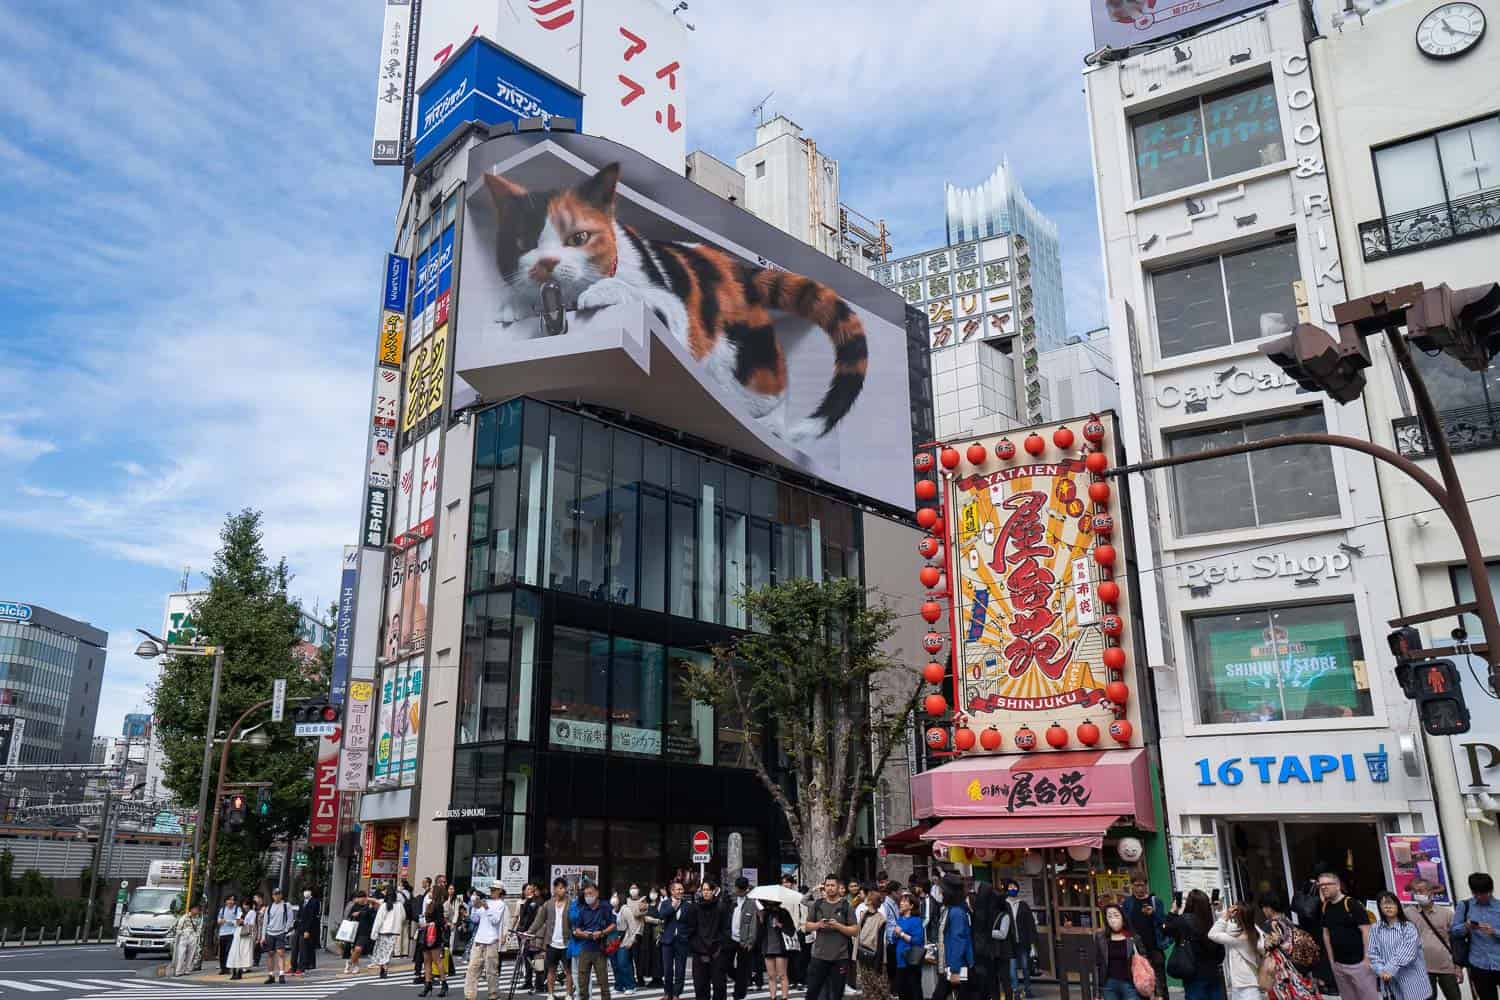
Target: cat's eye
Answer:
pixel 579 238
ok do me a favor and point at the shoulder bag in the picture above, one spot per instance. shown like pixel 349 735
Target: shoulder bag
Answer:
pixel 1458 947
pixel 1142 975
pixel 1183 962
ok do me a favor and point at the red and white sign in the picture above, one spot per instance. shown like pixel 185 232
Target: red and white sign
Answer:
pixel 702 847
pixel 359 721
pixel 634 78
pixel 545 33
pixel 324 828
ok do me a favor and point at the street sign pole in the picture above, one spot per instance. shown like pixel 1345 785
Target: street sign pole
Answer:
pixel 702 851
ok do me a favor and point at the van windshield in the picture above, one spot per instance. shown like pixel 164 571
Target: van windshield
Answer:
pixel 146 900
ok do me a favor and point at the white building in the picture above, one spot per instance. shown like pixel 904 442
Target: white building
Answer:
pixel 1416 195
pixel 1283 732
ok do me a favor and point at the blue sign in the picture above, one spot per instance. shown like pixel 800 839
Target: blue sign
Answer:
pixel 395 282
pixel 343 637
pixel 12 612
pixel 1285 769
pixel 484 83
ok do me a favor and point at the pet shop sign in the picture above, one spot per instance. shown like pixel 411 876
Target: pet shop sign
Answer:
pixel 486 84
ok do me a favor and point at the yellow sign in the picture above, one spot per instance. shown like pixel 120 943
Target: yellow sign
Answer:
pixel 392 337
pixel 361 690
pixel 425 372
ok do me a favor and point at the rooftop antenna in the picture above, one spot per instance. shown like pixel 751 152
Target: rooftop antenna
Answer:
pixel 185 575
pixel 759 111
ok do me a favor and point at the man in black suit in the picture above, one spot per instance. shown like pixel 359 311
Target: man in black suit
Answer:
pixel 307 932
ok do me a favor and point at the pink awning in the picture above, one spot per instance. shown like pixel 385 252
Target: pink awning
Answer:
pixel 1074 785
pixel 1018 832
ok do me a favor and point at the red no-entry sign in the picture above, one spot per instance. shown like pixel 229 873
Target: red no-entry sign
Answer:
pixel 701 847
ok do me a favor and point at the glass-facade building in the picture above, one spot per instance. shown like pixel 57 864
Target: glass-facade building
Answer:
pixel 603 563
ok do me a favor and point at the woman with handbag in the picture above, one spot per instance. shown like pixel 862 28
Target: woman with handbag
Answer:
pixel 362 912
pixel 242 950
pixel 777 934
pixel 1121 966
pixel 435 935
pixel 1395 951
pixel 1195 959
pixel 911 949
pixel 955 941
pixel 1238 937
pixel 1287 952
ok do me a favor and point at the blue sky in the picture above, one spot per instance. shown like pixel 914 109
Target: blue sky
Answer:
pixel 196 235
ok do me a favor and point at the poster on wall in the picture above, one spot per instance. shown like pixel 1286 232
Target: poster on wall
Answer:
pixel 385 721
pixel 635 78
pixel 1417 856
pixel 514 869
pixel 825 391
pixel 574 875
pixel 359 721
pixel 484 871
pixel 1031 546
pixel 545 33
pixel 1273 670
pixel 411 721
pixel 323 828
pixel 390 84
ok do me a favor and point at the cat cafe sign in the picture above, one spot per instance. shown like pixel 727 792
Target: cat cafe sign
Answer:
pixel 1228 383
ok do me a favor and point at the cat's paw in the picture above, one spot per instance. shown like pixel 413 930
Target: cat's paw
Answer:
pixel 806 431
pixel 607 292
pixel 508 313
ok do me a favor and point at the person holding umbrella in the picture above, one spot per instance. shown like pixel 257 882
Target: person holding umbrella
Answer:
pixel 778 933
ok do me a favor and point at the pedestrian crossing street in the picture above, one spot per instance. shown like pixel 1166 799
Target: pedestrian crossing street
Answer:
pixel 21 983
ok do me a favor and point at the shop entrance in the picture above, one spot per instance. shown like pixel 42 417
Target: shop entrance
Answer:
pixel 1283 854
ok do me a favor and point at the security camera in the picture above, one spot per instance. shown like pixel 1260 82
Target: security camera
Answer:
pixel 1099 56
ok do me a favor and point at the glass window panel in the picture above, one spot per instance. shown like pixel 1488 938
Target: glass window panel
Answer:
pixel 763 498
pixel 573 840
pixel 580 689
pixel 637 682
pixel 635 854
pixel 512 835
pixel 680 554
pixel 471 668
pixel 736 567
pixel 653 548
pixel 690 723
pixel 515 790
pixel 1169 148
pixel 1292 483
pixel 1243 130
pixel 474 770
pixel 479 518
pixel 523 663
pixel 623 505
pixel 1212 495
pixel 562 505
pixel 739 744
pixel 494 698
pixel 593 512
pixel 485 444
pixel 710 504
pixel 1453 386
pixel 760 554
pixel 1189 307
pixel 1261 303
pixel 1471 157
pixel 1409 176
pixel 530 529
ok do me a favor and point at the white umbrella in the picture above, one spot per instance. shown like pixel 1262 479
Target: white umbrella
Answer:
pixel 788 898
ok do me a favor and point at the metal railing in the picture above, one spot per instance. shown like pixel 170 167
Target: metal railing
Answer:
pixel 1469 428
pixel 1420 228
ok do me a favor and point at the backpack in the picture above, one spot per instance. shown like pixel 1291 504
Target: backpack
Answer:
pixel 871 937
pixel 1303 950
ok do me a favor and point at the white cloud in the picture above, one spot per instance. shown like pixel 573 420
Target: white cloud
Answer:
pixel 16 446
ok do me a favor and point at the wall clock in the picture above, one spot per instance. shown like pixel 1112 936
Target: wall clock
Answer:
pixel 1449 31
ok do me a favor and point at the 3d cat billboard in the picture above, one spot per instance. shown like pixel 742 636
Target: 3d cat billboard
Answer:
pixel 687 323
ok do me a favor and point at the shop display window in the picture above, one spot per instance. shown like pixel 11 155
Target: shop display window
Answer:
pixel 1213 136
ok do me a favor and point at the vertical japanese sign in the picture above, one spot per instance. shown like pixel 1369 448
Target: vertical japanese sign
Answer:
pixel 391 87
pixel 343 636
pixel 390 687
pixel 324 828
pixel 411 740
pixel 393 310
pixel 359 720
pixel 634 78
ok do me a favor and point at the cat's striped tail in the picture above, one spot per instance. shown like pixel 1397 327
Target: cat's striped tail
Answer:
pixel 817 302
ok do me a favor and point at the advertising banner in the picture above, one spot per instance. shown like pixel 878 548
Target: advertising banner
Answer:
pixel 385 720
pixel 665 323
pixel 484 871
pixel 545 33
pixel 1417 856
pixel 343 636
pixel 1031 546
pixel 1274 671
pixel 392 337
pixel 377 509
pixel 387 850
pixel 425 373
pixel 416 576
pixel 482 82
pixel 178 626
pixel 324 827
pixel 359 720
pixel 11 729
pixel 386 407
pixel 409 726
pixel 514 869
pixel 390 85
pixel 634 78
pixel 433 287
pixel 1120 24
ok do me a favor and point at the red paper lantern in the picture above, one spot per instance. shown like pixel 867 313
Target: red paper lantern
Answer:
pixel 1099 491
pixel 1112 624
pixel 1034 444
pixel 1104 524
pixel 963 738
pixel 933 643
pixel 1057 736
pixel 991 739
pixel 1093 430
pixel 1088 733
pixel 930 576
pixel 949 458
pixel 933 672
pixel 935 704
pixel 1114 658
pixel 1063 438
pixel 1117 692
pixel 939 526
pixel 937 738
pixel 977 454
pixel 926 489
pixel 1005 450
pixel 1120 730
pixel 926 518
pixel 1096 462
pixel 1109 591
pixel 923 461
pixel 931 611
pixel 927 547
pixel 1025 739
pixel 1104 555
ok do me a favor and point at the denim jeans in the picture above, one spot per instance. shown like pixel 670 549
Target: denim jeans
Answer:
pixel 624 974
pixel 1020 973
pixel 1206 987
pixel 1119 989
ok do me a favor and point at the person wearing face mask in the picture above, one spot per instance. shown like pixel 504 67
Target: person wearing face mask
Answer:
pixel 1115 948
pixel 308 929
pixel 628 925
pixel 1434 923
pixel 596 921
pixel 1024 940
pixel 672 912
pixel 1235 932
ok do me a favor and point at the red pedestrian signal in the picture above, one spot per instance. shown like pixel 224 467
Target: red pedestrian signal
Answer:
pixel 1440 698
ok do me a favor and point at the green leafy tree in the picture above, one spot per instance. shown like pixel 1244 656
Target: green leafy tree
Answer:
pixel 247 611
pixel 816 668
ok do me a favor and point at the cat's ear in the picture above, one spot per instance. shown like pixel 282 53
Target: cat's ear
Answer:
pixel 600 189
pixel 502 188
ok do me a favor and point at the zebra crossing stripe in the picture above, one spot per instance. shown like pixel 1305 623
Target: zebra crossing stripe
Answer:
pixel 12 984
pixel 65 984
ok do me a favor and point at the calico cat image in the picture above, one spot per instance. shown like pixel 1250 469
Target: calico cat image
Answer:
pixel 716 304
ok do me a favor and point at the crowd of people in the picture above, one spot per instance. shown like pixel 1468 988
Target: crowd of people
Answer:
pixel 249 929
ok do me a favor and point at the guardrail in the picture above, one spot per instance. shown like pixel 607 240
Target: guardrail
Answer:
pixel 49 936
pixel 1404 232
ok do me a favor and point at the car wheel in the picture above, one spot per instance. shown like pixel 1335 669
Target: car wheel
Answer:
pixel 129 953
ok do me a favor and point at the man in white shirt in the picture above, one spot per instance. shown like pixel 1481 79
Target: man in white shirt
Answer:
pixel 553 928
pixel 484 951
pixel 275 934
pixel 744 929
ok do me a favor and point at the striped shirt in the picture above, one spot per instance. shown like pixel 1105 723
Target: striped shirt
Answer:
pixel 1397 949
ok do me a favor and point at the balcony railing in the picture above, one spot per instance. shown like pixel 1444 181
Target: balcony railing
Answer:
pixel 1469 428
pixel 1471 215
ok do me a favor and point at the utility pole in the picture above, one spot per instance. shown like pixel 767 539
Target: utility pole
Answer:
pixel 94 874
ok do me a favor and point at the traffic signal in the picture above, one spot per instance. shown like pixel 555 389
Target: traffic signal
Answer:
pixel 1404 642
pixel 1318 363
pixel 315 710
pixel 1440 698
pixel 263 802
pixel 234 812
pixel 1463 323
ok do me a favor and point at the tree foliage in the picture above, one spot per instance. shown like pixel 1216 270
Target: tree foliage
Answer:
pixel 817 669
pixel 247 611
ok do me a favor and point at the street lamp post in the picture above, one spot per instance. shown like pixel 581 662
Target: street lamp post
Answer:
pixel 213 829
pixel 152 647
